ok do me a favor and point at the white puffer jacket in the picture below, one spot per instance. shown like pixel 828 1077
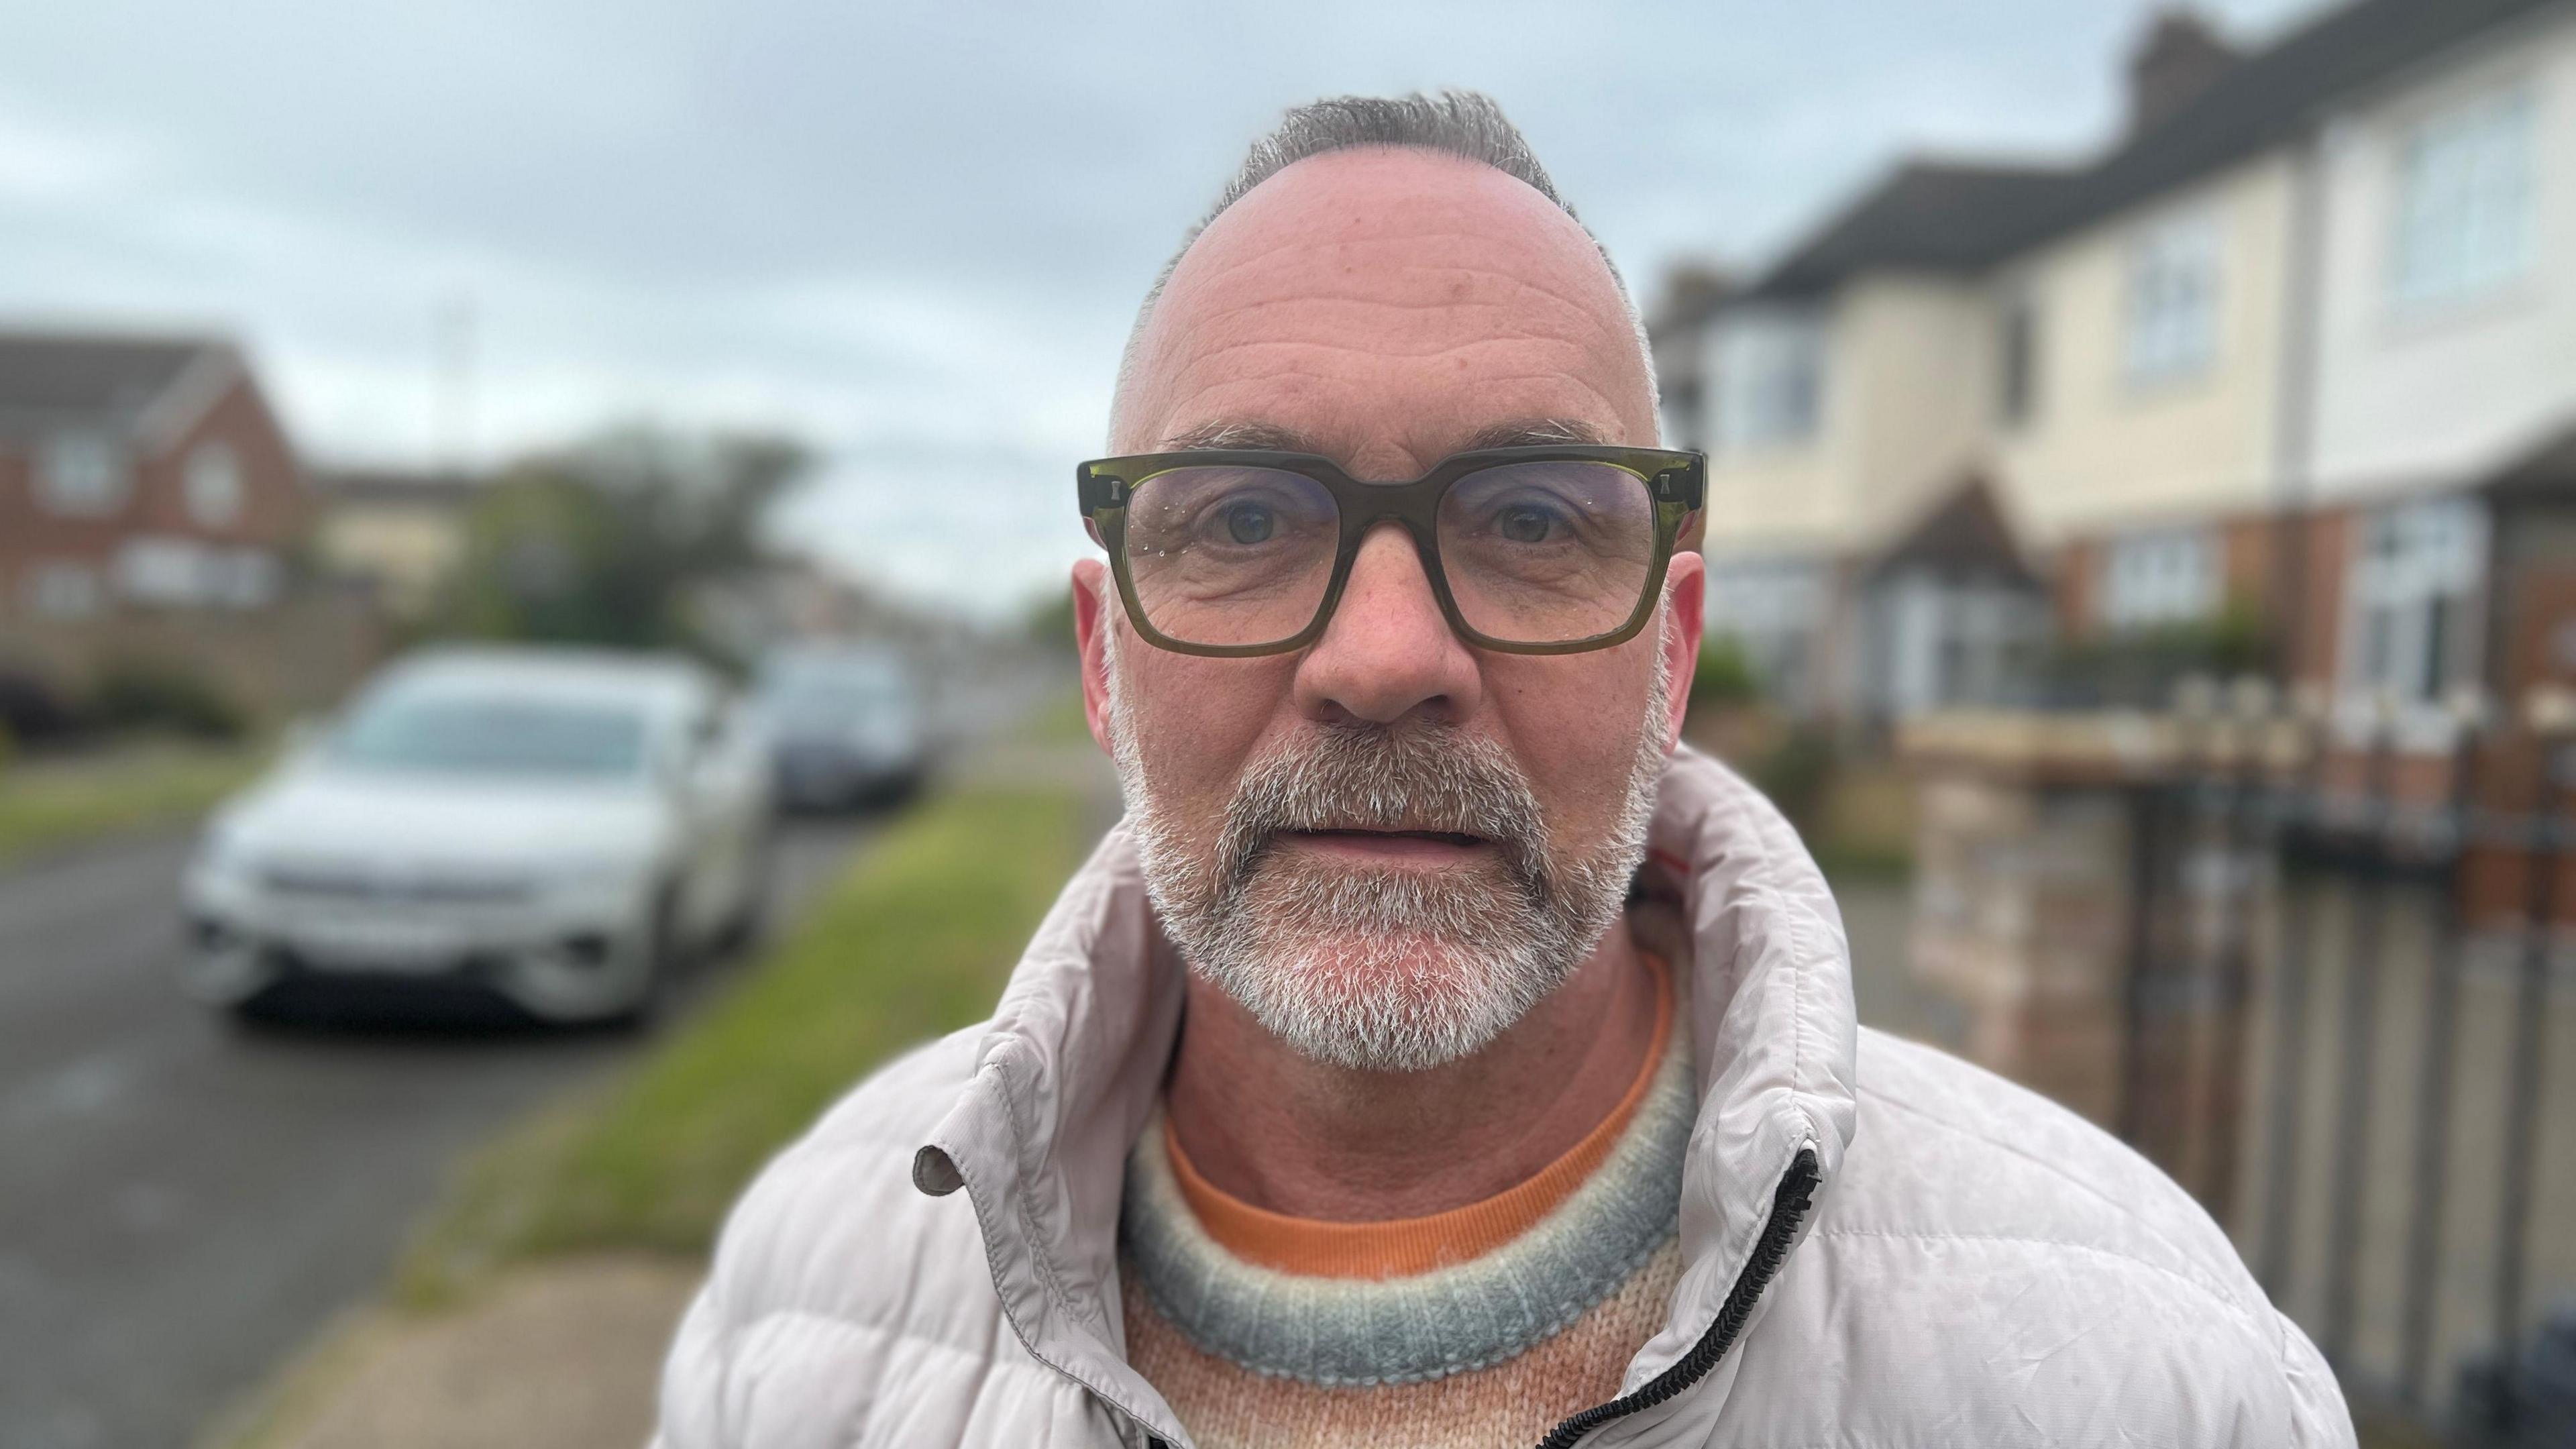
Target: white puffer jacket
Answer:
pixel 1883 1246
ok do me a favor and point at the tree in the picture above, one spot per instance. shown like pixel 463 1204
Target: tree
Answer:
pixel 605 542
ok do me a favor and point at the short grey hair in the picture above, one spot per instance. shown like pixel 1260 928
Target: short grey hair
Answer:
pixel 1462 123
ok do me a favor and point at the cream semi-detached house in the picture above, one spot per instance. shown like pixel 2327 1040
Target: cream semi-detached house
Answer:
pixel 2139 455
pixel 2323 270
pixel 2319 284
pixel 2449 280
pixel 2444 320
pixel 1987 358
pixel 1846 403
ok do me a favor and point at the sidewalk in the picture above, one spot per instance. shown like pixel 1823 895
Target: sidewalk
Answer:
pixel 563 1354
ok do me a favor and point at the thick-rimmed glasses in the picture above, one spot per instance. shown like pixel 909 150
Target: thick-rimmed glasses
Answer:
pixel 1540 550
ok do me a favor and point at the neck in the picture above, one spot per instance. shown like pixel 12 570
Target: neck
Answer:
pixel 1284 1132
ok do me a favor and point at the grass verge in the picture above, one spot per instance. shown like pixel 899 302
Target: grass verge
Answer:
pixel 914 941
pixel 1060 721
pixel 51 804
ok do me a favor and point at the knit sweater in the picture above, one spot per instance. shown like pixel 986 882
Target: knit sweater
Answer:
pixel 1485 1325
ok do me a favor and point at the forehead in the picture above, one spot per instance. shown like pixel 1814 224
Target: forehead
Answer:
pixel 1389 305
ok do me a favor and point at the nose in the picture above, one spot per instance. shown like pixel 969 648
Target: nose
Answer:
pixel 1388 650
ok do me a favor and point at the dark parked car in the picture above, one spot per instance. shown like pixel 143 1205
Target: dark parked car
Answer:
pixel 844 725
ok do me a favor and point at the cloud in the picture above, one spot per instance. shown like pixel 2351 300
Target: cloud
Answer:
pixel 40 164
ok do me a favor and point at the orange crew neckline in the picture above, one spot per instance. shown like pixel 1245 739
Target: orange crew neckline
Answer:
pixel 1401 1247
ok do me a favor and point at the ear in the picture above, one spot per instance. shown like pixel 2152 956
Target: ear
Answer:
pixel 1685 619
pixel 1092 621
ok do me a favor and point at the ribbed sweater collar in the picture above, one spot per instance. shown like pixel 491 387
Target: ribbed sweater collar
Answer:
pixel 1402 1247
pixel 1470 1315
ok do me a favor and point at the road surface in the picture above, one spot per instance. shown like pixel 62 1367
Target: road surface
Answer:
pixel 183 1203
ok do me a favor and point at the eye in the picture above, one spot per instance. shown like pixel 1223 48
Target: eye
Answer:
pixel 1524 524
pixel 1250 523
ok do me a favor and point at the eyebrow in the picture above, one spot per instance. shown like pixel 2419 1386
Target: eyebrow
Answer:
pixel 1535 432
pixel 1249 435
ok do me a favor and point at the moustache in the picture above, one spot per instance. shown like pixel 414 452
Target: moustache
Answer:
pixel 1426 780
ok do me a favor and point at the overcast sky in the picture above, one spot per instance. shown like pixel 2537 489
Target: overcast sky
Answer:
pixel 912 234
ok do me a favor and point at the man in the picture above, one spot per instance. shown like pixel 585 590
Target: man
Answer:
pixel 1438 1054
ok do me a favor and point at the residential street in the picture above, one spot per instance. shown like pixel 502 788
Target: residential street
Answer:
pixel 188 1201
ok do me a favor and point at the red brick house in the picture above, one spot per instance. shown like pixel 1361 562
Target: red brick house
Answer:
pixel 139 474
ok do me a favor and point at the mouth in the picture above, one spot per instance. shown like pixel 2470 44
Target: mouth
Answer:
pixel 1417 847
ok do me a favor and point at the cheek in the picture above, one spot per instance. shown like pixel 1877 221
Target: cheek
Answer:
pixel 1198 721
pixel 1572 721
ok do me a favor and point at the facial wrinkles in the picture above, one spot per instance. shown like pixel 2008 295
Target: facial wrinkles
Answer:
pixel 1423 324
pixel 1321 402
pixel 1299 259
pixel 1252 351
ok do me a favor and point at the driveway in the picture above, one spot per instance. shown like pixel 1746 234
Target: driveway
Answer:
pixel 183 1203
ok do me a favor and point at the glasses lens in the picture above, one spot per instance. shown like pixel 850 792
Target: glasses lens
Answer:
pixel 1547 553
pixel 1230 556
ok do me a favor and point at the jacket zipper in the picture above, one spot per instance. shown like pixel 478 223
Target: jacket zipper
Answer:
pixel 1788 1208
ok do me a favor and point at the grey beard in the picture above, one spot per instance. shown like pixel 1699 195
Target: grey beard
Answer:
pixel 1387 970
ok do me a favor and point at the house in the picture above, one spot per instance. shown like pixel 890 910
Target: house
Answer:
pixel 2444 379
pixel 153 517
pixel 1846 394
pixel 2310 403
pixel 404 531
pixel 139 473
pixel 1690 295
pixel 2256 360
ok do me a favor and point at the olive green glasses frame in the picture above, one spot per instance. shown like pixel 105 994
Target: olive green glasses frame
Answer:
pixel 1230 553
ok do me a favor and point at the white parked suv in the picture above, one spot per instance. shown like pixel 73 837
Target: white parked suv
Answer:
pixel 558 826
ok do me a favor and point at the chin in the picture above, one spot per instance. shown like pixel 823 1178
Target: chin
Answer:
pixel 1380 1001
pixel 1393 967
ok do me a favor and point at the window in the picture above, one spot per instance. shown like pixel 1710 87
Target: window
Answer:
pixel 63 590
pixel 162 571
pixel 214 485
pixel 2167 577
pixel 1940 639
pixel 444 729
pixel 243 578
pixel 2172 323
pixel 84 473
pixel 1775 610
pixel 1769 378
pixel 184 573
pixel 2018 362
pixel 2413 582
pixel 2463 197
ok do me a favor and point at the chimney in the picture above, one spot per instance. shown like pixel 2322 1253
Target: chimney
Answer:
pixel 2176 61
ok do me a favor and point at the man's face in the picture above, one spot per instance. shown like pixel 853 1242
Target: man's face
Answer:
pixel 1388 845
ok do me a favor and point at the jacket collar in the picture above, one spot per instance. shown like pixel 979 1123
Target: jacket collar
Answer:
pixel 1068 1069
